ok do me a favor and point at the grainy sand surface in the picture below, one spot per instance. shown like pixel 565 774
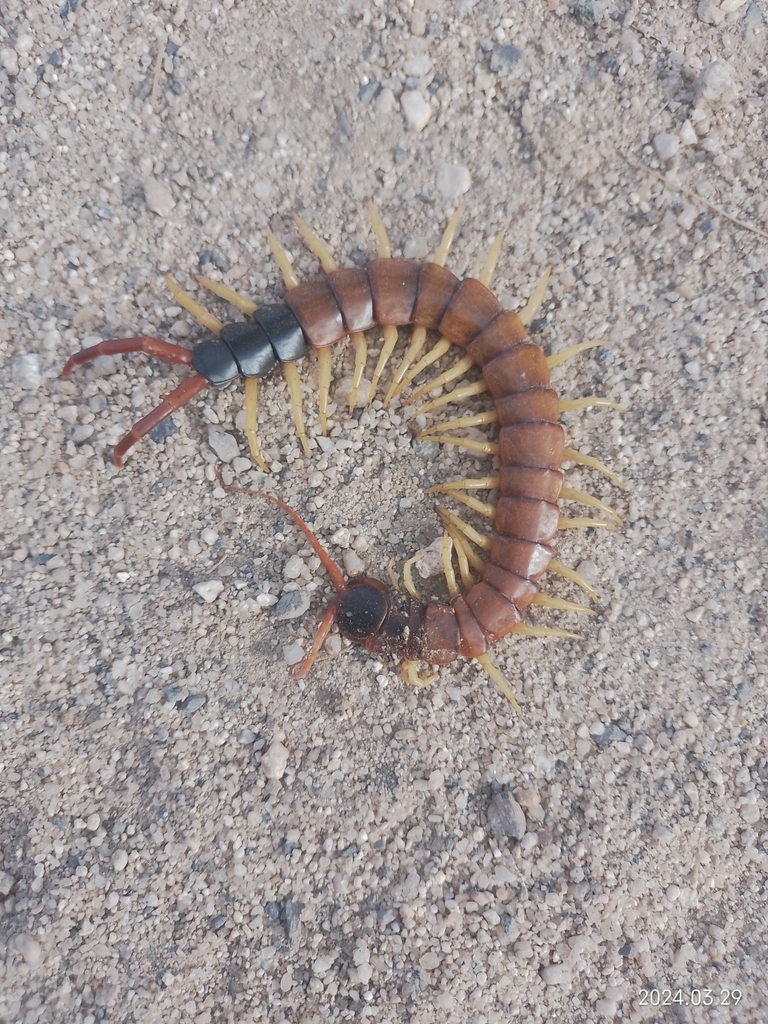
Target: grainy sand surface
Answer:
pixel 188 835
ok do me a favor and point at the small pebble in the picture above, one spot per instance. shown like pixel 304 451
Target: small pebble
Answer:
pixel 246 736
pixel 504 57
pixel 274 761
pixel 209 536
pixel 666 145
pixel 415 249
pixel 427 450
pixel 163 430
pixel 193 703
pixel 431 562
pixel 417 66
pixel 688 135
pixel 292 654
pixel 693 369
pixel 416 109
pixel 610 734
pixel 292 605
pixel 453 180
pixel 25 371
pixel 266 600
pixel 93 822
pixel 342 537
pixel 294 567
pixel 159 197
pixel 368 92
pixel 119 860
pixel 292 921
pixel 9 60
pixel 217 923
pixel 342 395
pixel 225 445
pixel 556 974
pixel 505 816
pixel 429 962
pixel 29 948
pixel 209 590
pixel 715 85
pixel 6 883
pixel 353 564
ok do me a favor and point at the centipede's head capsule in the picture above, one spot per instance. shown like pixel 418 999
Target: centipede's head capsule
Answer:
pixel 362 609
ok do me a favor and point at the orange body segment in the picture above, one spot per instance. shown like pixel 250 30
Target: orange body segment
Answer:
pixel 469 312
pixel 352 292
pixel 394 284
pixel 436 288
pixel 317 311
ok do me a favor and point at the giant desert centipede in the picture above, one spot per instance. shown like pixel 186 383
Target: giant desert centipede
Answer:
pixel 390 293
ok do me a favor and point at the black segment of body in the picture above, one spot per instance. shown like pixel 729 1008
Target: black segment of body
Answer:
pixel 362 609
pixel 251 348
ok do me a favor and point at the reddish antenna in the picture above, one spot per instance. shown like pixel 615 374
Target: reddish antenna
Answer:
pixel 337 577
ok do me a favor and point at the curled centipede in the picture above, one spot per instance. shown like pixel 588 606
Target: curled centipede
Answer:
pixel 391 293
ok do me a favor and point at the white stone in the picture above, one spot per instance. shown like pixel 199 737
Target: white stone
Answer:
pixel 275 760
pixel 431 561
pixel 385 102
pixel 25 371
pixel 158 196
pixel 119 860
pixel 666 145
pixel 225 445
pixel 453 180
pixel 416 109
pixel 342 537
pixel 353 564
pixel 209 590
pixel 266 600
pixel 417 66
pixel 556 974
pixel 9 60
pixel 715 85
pixel 292 654
pixel 29 948
pixel 688 135
pixel 294 567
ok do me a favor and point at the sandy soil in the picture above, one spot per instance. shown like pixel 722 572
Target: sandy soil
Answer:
pixel 188 835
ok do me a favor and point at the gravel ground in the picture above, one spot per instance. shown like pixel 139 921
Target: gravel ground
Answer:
pixel 188 835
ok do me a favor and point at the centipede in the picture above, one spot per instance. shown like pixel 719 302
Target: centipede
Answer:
pixel 500 571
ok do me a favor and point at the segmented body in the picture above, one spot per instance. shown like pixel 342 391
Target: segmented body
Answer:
pixel 398 292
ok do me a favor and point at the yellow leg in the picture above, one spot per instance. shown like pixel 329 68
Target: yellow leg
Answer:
pixel 449 518
pixel 390 340
pixel 323 385
pixel 418 338
pixel 571 455
pixel 529 310
pixel 281 258
pixel 393 575
pixel 420 334
pixel 483 483
pixel 241 302
pixel 315 245
pixel 382 239
pixel 408 578
pixel 485 447
pixel 361 354
pixel 467 391
pixel 485 275
pixel 465 555
pixel 478 506
pixel 457 370
pixel 478 420
pixel 570 574
pixel 187 302
pixel 484 661
pixel 582 523
pixel 294 387
pixel 409 673
pixel 437 350
pixel 524 629
pixel 588 402
pixel 450 575
pixel 251 406
pixel 574 350
pixel 570 494
pixel 560 605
